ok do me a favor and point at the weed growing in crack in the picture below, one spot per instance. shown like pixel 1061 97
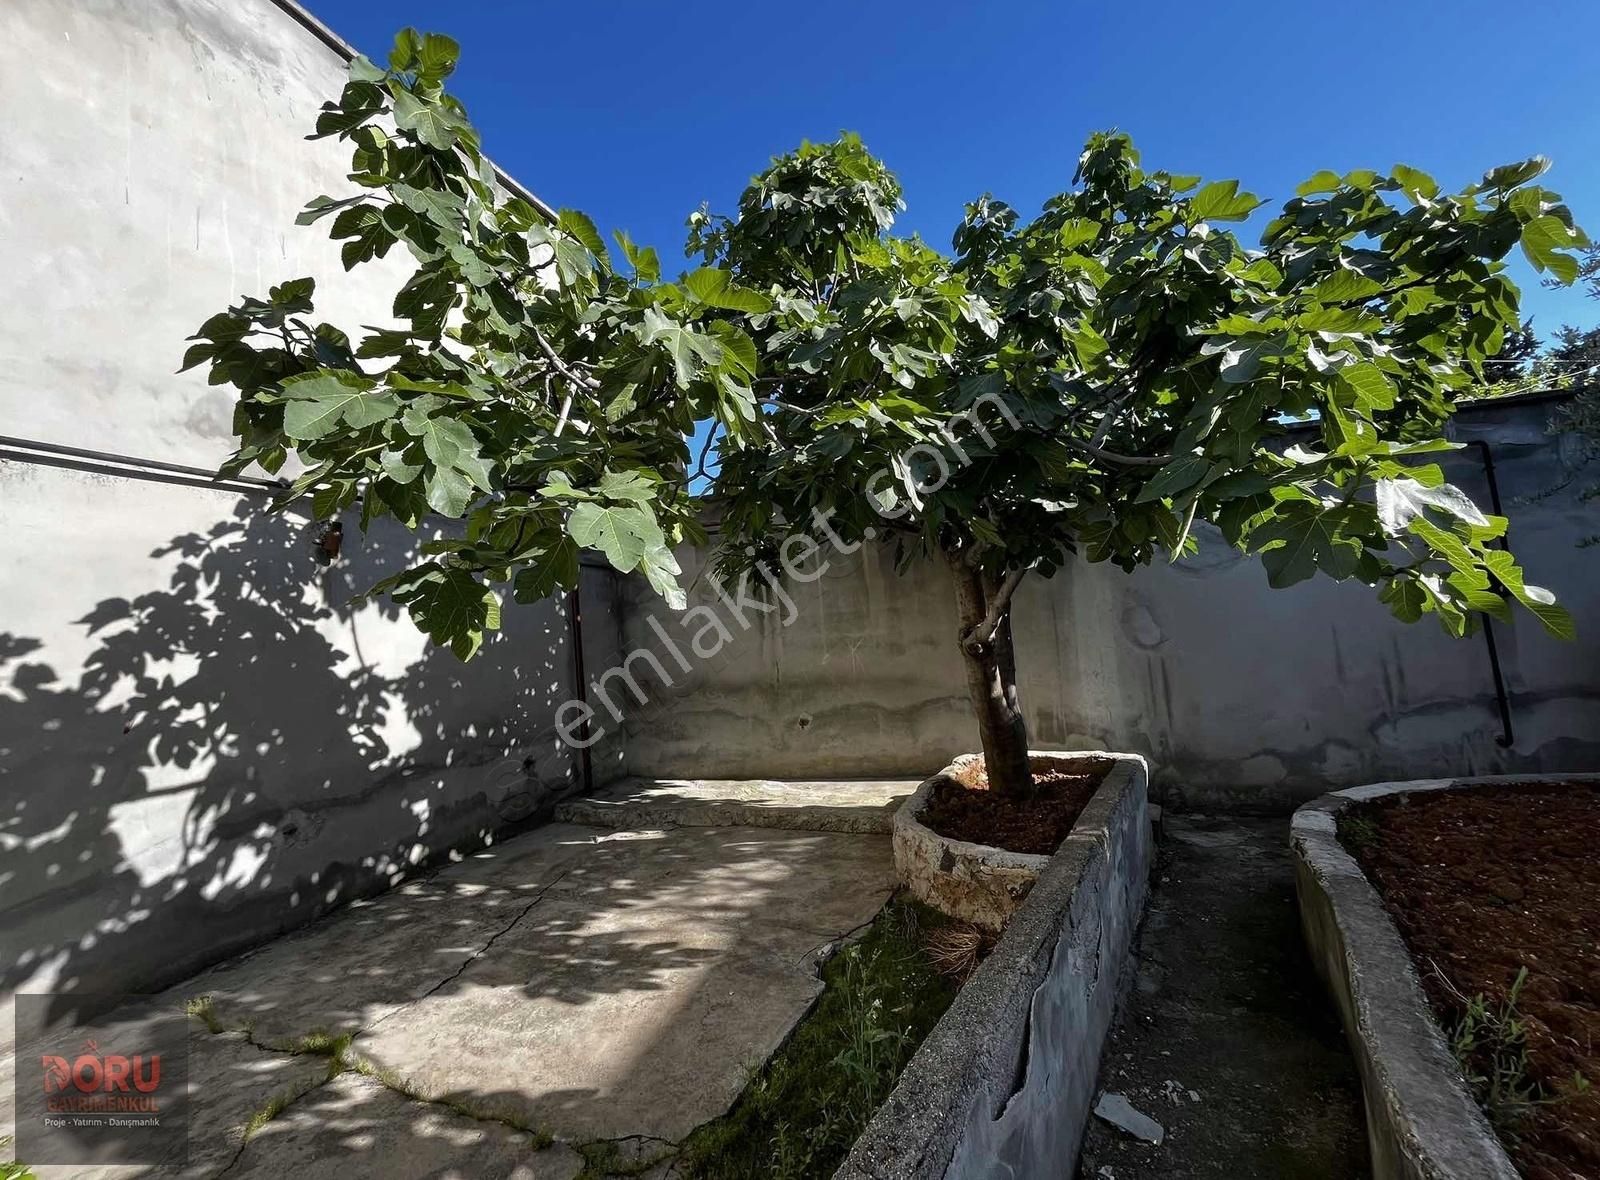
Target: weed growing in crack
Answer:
pixel 338 1049
pixel 203 1009
pixel 321 1043
pixel 275 1105
pixel 389 1079
pixel 313 1044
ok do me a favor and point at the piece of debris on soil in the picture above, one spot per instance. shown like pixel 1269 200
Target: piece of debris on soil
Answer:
pixel 957 949
pixel 1116 1110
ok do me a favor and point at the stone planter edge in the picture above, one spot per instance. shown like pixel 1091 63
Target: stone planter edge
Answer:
pixel 924 859
pixel 1004 1083
pixel 1422 1122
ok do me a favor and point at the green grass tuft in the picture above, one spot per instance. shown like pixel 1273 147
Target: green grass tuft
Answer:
pixel 275 1105
pixel 321 1043
pixel 1490 1043
pixel 804 1110
pixel 1358 833
pixel 202 1008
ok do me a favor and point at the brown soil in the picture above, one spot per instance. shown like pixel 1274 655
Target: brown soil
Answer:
pixel 1485 882
pixel 1036 824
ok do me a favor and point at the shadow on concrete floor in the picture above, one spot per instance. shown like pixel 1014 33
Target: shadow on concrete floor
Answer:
pixel 1227 1038
pixel 609 989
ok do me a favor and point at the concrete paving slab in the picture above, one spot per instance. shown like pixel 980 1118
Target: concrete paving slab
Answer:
pixel 592 983
pixel 361 963
pixel 810 881
pixel 656 1063
pixel 819 805
pixel 229 1081
pixel 353 1126
pixel 635 997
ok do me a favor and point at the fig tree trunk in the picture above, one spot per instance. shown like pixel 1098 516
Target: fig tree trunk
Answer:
pixel 991 668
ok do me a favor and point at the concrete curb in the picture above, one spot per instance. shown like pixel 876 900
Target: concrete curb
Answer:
pixel 1422 1122
pixel 637 803
pixel 979 883
pixel 1003 1085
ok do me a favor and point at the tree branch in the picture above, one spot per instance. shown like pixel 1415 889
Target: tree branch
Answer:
pixel 705 450
pixel 565 369
pixel 792 408
pixel 997 604
pixel 1106 456
pixel 1107 420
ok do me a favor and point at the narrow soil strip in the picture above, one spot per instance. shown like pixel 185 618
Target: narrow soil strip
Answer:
pixel 1228 1039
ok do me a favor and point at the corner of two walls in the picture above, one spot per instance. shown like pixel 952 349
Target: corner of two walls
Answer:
pixel 1243 698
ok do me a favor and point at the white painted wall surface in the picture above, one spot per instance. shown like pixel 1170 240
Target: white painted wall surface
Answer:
pixel 201 744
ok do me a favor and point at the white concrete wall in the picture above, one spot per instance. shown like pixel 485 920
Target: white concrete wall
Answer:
pixel 154 161
pixel 201 743
pixel 1241 696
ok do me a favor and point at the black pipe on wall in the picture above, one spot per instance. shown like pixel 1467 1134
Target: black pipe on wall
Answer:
pixel 1507 736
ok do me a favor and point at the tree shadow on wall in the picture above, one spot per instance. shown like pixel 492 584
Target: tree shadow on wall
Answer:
pixel 229 764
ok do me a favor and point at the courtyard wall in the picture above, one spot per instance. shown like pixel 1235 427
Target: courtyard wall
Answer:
pixel 1242 697
pixel 202 741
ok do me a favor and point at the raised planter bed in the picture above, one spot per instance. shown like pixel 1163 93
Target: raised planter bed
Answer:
pixel 1003 1084
pixel 980 883
pixel 1422 1118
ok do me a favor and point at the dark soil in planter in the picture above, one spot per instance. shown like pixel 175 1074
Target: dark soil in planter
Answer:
pixel 1483 883
pixel 1036 824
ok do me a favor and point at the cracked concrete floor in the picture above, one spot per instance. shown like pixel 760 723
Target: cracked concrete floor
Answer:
pixel 578 983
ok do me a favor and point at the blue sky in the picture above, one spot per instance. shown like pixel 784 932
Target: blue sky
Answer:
pixel 637 112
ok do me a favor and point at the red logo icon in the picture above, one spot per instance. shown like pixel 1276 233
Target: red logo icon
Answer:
pixel 92 1072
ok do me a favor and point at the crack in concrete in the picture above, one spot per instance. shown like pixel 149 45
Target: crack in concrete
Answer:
pixel 624 1155
pixel 474 956
pixel 335 1068
pixel 340 1060
pixel 395 1083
